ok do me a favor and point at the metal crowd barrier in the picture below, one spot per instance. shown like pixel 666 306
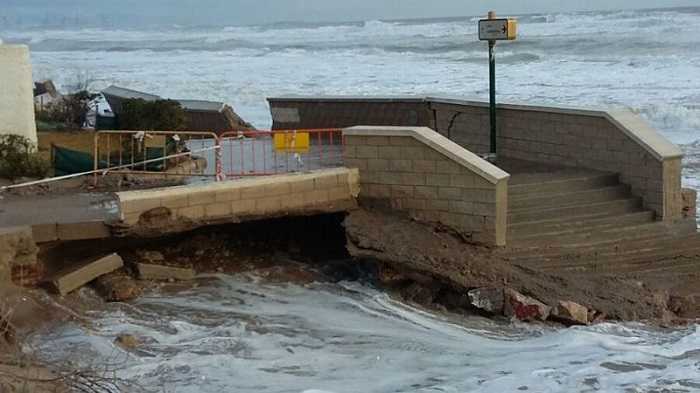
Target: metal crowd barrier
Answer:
pixel 206 154
pixel 175 153
pixel 260 153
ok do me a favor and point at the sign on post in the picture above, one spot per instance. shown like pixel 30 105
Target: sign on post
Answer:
pixel 492 30
pixel 293 142
pixel 498 29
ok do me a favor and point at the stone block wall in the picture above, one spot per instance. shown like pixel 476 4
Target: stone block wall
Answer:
pixel 417 171
pixel 329 112
pixel 327 190
pixel 616 141
pixel 468 126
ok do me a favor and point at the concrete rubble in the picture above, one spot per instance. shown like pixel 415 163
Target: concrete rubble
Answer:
pixel 524 308
pixel 488 299
pixel 76 276
pixel 571 313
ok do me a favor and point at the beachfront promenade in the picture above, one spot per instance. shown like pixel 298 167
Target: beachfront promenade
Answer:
pixel 572 191
pixel 557 168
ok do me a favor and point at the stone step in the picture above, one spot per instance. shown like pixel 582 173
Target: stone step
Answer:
pixel 524 250
pixel 574 232
pixel 615 262
pixel 674 266
pixel 579 223
pixel 600 237
pixel 614 207
pixel 528 201
pixel 677 234
pixel 609 261
pixel 572 184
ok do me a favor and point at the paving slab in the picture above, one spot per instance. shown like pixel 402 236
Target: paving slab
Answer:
pixel 78 275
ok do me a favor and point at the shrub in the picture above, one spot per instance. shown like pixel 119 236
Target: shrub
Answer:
pixel 19 158
pixel 159 115
pixel 69 111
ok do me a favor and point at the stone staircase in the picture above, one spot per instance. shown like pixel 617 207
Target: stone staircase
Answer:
pixel 569 220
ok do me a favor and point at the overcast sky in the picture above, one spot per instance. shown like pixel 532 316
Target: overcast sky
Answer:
pixel 231 12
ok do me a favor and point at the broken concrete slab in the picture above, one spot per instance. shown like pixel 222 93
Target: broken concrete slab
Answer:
pixel 149 271
pixel 45 233
pixel 87 230
pixel 571 313
pixel 75 277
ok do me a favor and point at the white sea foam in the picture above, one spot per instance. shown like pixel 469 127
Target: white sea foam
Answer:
pixel 235 335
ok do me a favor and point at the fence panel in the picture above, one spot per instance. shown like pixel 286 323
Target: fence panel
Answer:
pixel 260 153
pixel 171 153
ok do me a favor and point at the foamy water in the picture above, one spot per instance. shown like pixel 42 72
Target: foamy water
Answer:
pixel 234 334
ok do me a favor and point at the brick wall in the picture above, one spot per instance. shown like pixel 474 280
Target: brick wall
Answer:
pixel 417 171
pixel 295 113
pixel 616 141
pixel 328 190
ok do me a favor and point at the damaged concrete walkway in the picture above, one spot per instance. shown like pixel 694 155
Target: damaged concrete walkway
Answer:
pixel 60 217
pixel 152 212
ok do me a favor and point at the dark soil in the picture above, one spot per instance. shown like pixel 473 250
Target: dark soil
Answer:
pixel 417 250
pixel 423 264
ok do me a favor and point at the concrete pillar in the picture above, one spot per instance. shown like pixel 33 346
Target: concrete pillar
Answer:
pixel 16 92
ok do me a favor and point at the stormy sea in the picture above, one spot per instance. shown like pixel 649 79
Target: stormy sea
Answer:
pixel 239 335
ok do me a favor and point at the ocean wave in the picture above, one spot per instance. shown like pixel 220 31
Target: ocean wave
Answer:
pixel 598 34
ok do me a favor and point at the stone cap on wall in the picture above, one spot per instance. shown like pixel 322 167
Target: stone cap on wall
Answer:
pixel 636 128
pixel 439 143
pixel 348 99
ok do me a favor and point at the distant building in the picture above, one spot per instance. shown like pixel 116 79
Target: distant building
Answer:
pixel 45 94
pixel 201 115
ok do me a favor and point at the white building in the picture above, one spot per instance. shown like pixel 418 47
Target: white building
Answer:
pixel 45 94
pixel 16 92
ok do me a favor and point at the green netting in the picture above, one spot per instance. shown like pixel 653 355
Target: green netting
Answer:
pixel 67 161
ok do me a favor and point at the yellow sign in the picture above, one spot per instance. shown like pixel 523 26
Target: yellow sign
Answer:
pixel 498 29
pixel 297 142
